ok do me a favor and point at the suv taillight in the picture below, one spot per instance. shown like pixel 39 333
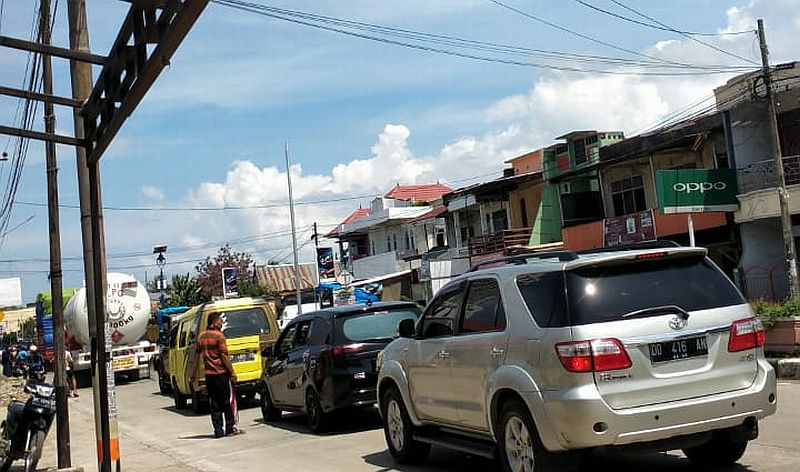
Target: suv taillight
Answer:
pixel 348 349
pixel 746 334
pixel 597 355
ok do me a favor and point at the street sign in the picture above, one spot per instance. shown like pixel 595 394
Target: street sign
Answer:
pixel 697 190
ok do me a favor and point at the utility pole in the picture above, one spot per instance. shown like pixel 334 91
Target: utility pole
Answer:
pixel 93 248
pixel 783 195
pixel 57 296
pixel 297 279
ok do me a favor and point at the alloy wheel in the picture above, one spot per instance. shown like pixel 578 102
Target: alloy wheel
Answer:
pixel 394 422
pixel 519 446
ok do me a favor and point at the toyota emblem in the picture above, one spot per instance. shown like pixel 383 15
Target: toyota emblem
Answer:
pixel 677 323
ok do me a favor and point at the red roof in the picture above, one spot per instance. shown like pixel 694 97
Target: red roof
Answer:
pixel 424 193
pixel 360 213
pixel 431 214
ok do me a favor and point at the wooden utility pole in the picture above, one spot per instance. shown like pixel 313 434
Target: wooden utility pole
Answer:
pixel 57 296
pixel 93 247
pixel 783 195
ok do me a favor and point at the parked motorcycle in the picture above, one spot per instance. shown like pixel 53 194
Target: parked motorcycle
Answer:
pixel 27 423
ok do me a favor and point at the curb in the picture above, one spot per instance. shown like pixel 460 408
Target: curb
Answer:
pixel 67 469
pixel 788 368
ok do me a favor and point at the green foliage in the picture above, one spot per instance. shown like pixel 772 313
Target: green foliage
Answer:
pixel 770 312
pixel 185 291
pixel 251 288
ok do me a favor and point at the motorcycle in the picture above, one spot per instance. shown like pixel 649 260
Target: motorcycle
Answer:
pixel 27 423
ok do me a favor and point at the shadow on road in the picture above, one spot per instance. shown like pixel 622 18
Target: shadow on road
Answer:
pixel 340 422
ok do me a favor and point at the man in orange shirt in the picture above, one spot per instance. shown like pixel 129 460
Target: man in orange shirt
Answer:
pixel 219 373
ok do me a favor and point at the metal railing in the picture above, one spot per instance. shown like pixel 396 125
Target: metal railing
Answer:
pixel 761 175
pixel 499 241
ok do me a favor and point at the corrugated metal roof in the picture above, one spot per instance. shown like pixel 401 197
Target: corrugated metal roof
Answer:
pixel 282 277
pixel 424 193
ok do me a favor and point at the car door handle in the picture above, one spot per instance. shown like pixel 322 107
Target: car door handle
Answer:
pixel 443 354
pixel 497 351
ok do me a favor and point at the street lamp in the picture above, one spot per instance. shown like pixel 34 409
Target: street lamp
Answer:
pixel 161 261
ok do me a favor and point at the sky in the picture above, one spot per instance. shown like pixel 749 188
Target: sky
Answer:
pixel 201 161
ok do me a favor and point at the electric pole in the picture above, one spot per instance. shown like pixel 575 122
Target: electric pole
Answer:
pixel 294 234
pixel 783 195
pixel 57 296
pixel 106 430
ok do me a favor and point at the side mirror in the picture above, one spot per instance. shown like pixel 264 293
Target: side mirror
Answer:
pixel 406 328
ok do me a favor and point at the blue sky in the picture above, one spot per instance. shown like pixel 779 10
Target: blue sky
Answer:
pixel 359 115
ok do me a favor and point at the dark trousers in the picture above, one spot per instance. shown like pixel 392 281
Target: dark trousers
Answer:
pixel 219 396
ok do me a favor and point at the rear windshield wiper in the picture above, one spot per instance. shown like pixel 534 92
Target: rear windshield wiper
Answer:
pixel 659 310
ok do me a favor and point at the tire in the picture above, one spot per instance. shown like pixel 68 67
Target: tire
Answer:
pixel 180 399
pixel 199 404
pixel 163 386
pixel 315 417
pixel 6 461
pixel 519 445
pixel 399 431
pixel 35 451
pixel 718 452
pixel 268 410
pixel 134 375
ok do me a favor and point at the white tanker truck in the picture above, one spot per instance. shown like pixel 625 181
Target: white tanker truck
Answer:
pixel 128 308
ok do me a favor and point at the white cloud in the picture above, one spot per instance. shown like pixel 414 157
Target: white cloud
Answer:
pixel 152 192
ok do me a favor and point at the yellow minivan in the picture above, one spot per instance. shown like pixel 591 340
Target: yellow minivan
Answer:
pixel 249 325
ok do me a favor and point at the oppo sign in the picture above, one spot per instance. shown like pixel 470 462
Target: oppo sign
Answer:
pixel 701 187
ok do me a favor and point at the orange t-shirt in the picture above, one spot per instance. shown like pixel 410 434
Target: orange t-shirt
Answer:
pixel 211 346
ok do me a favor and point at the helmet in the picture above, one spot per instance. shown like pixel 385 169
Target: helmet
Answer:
pixel 32 348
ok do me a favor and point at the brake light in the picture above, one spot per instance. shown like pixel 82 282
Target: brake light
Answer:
pixel 652 255
pixel 597 355
pixel 347 349
pixel 746 334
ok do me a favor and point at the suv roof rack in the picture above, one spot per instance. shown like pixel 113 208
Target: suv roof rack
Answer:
pixel 659 244
pixel 563 255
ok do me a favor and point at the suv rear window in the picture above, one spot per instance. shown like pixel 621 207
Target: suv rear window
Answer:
pixel 379 325
pixel 244 322
pixel 606 293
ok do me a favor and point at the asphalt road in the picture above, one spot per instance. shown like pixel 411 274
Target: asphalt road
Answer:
pixel 154 436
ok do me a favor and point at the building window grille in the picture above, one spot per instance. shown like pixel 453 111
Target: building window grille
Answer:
pixel 628 195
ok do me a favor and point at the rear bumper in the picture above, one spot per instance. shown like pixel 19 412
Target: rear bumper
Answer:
pixel 583 420
pixel 347 391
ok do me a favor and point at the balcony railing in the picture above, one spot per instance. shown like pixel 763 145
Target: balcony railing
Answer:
pixel 761 175
pixel 499 241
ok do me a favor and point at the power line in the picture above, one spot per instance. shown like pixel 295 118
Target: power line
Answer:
pixel 659 27
pixel 327 24
pixel 699 41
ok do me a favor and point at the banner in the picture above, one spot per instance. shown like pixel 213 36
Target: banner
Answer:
pixel 325 264
pixel 230 282
pixel 697 190
pixel 628 229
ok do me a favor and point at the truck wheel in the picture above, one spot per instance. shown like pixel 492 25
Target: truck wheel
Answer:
pixel 199 404
pixel 718 452
pixel 399 431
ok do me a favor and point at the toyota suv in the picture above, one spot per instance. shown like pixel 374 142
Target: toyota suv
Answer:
pixel 552 353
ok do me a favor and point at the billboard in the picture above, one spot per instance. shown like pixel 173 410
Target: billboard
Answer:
pixel 10 292
pixel 230 282
pixel 697 190
pixel 628 229
pixel 325 264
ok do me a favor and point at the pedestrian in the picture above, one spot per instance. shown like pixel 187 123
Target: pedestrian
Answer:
pixel 219 374
pixel 8 357
pixel 69 366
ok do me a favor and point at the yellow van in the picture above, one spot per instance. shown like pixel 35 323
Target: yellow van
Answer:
pixel 249 324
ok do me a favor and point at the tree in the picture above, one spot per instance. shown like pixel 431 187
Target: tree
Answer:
pixel 209 272
pixel 185 291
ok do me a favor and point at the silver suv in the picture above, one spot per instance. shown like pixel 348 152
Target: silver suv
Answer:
pixel 552 353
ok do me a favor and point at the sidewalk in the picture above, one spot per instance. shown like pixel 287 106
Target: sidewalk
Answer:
pixel 137 454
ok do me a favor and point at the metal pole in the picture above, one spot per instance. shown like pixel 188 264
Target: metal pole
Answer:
pixel 294 234
pixel 690 225
pixel 93 250
pixel 783 195
pixel 59 360
pixel 161 286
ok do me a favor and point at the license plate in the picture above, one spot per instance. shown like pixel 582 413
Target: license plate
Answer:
pixel 243 357
pixel 123 363
pixel 43 403
pixel 678 349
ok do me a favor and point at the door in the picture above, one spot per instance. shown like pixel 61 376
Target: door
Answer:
pixel 428 359
pixel 192 359
pixel 297 364
pixel 277 375
pixel 178 357
pixel 477 350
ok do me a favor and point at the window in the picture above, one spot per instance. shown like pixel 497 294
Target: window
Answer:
pixel 173 336
pixel 372 326
pixel 628 195
pixel 244 322
pixel 543 294
pixel 440 318
pixel 483 310
pixel 394 240
pixel 388 243
pixel 580 151
pixel 195 330
pixel 499 221
pixel 287 340
pixel 182 336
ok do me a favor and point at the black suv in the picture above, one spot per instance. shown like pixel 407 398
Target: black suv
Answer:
pixel 325 360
